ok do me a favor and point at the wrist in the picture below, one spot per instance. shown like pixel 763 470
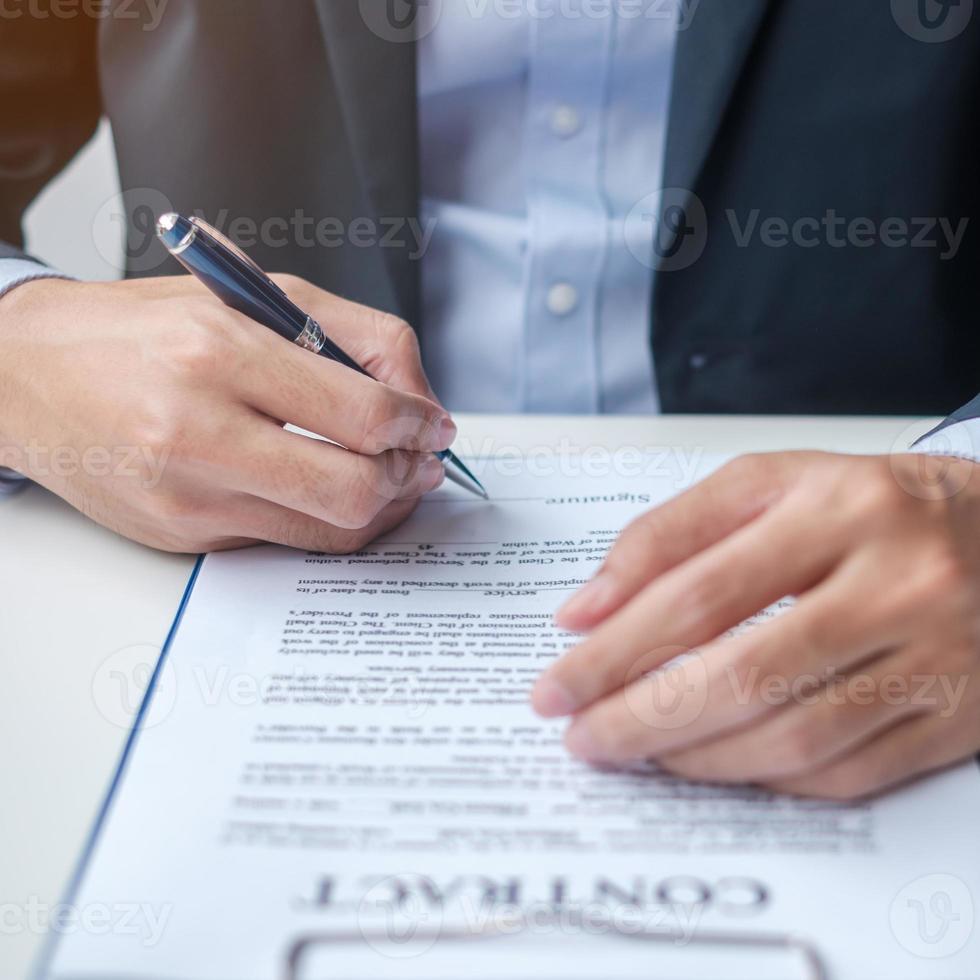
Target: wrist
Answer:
pixel 15 272
pixel 22 293
pixel 18 358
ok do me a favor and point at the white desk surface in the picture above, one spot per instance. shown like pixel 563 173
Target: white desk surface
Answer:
pixel 73 595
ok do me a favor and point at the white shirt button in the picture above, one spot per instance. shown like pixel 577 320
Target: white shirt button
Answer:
pixel 562 298
pixel 566 121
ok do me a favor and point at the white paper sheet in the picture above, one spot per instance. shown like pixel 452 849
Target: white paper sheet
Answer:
pixel 344 744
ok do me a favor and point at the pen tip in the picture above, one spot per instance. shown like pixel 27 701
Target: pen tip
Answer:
pixel 459 473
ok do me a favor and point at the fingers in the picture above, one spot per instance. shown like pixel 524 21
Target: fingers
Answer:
pixel 324 481
pixel 290 384
pixel 819 726
pixel 688 606
pixel 382 344
pixel 912 748
pixel 264 521
pixel 738 681
pixel 668 535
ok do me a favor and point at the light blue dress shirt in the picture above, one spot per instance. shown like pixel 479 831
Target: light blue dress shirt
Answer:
pixel 540 132
pixel 15 271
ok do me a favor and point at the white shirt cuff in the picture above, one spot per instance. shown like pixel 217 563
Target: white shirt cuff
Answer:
pixel 959 439
pixel 14 272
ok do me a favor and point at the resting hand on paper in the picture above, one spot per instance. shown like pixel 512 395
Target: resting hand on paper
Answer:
pixel 157 411
pixel 872 677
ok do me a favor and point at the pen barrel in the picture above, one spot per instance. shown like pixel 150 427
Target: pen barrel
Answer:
pixel 227 285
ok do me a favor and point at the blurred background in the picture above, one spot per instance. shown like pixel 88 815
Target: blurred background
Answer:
pixel 75 224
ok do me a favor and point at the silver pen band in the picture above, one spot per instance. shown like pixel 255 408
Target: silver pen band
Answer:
pixel 312 337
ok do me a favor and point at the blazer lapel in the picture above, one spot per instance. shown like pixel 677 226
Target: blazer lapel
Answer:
pixel 375 80
pixel 711 52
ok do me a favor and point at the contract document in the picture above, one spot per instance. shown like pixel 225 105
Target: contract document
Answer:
pixel 336 774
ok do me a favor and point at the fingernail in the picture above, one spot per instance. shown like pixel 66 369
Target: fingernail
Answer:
pixel 444 433
pixel 590 601
pixel 580 742
pixel 551 699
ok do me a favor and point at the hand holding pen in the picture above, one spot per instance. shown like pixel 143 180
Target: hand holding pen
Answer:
pixel 240 284
pixel 166 408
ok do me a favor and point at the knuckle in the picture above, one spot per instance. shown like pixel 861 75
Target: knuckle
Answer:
pixel 398 340
pixel 948 574
pixel 406 344
pixel 879 492
pixel 161 431
pixel 358 504
pixel 813 636
pixel 195 349
pixel 379 415
pixel 392 329
pixel 709 592
pixel 745 675
pixel 796 749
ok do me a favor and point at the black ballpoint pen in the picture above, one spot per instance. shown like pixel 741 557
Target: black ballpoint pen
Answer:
pixel 239 283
